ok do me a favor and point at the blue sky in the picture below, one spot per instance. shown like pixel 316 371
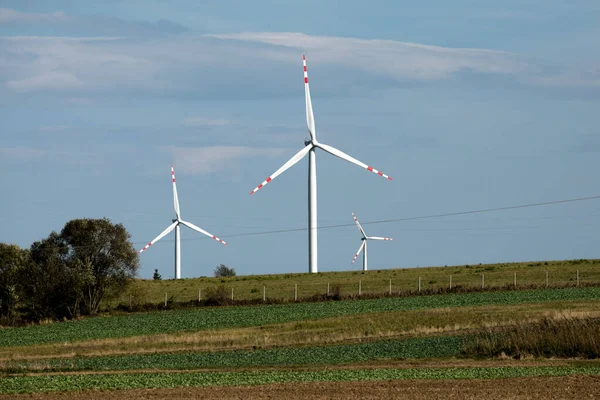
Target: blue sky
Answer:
pixel 465 105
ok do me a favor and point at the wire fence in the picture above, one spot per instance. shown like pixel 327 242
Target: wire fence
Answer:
pixel 286 288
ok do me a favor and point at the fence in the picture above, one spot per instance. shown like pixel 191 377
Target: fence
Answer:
pixel 295 287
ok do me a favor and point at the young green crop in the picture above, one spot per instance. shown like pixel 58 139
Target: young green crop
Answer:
pixel 50 383
pixel 227 317
pixel 433 347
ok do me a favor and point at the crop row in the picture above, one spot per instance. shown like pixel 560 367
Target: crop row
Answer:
pixel 431 347
pixel 50 383
pixel 227 317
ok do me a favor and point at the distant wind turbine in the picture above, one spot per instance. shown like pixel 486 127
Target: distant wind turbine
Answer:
pixel 363 246
pixel 309 149
pixel 175 225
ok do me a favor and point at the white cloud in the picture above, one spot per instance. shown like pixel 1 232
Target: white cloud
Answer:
pixel 202 121
pixel 248 64
pixel 211 159
pixel 49 80
pixel 54 128
pixel 86 25
pixel 80 100
pixel 8 15
pixel 21 153
pixel 392 58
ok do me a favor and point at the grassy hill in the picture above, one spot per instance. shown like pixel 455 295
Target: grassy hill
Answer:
pixel 283 286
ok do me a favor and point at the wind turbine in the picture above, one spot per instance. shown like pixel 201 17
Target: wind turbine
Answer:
pixel 175 225
pixel 364 239
pixel 309 149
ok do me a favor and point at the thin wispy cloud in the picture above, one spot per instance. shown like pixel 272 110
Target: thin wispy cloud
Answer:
pixel 203 121
pixel 213 159
pixel 22 153
pixel 80 100
pixel 87 25
pixel 54 128
pixel 8 15
pixel 216 64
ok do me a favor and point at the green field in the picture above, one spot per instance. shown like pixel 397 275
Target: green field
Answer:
pixel 429 347
pixel 229 317
pixel 376 281
pixel 418 336
pixel 49 383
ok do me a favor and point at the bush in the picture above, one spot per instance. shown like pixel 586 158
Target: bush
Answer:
pixel 156 276
pixel 223 270
pixel 567 338
pixel 218 296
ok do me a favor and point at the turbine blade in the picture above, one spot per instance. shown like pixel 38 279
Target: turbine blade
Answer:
pixel 285 166
pixel 310 117
pixel 359 250
pixel 344 156
pixel 379 238
pixel 162 234
pixel 194 227
pixel 175 197
pixel 358 224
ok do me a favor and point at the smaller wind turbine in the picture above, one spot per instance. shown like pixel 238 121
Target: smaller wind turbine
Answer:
pixel 363 246
pixel 175 225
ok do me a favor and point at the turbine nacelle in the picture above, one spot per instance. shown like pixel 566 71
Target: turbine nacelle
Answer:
pixel 175 224
pixel 310 144
pixel 363 245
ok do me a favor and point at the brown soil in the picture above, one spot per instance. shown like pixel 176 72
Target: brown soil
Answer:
pixel 372 364
pixel 570 387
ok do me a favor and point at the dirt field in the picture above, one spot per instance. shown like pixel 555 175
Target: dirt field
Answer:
pixel 570 387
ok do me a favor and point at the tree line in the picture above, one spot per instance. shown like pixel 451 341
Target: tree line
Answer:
pixel 67 274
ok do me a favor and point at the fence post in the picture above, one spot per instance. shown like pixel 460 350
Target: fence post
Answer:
pixel 231 294
pixel 546 278
pixel 327 288
pixel 419 284
pixel 450 281
pixel 130 296
pixel 483 281
pixel 165 299
pixel 296 292
pixel 390 287
pixel 577 277
pixel 515 280
pixel 199 294
pixel 359 287
pixel 264 293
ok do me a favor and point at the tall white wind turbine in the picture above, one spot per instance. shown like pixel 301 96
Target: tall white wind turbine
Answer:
pixel 175 225
pixel 309 149
pixel 363 246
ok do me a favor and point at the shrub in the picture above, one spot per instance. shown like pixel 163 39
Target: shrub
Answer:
pixel 223 270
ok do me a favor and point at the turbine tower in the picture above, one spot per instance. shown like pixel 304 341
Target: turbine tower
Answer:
pixel 363 246
pixel 175 225
pixel 309 149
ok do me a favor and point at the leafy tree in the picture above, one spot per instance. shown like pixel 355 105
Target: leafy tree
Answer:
pixel 72 272
pixel 223 270
pixel 157 276
pixel 49 289
pixel 102 255
pixel 12 261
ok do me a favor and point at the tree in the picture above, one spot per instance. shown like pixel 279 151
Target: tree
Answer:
pixel 102 255
pixel 49 288
pixel 157 276
pixel 12 261
pixel 223 270
pixel 72 272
